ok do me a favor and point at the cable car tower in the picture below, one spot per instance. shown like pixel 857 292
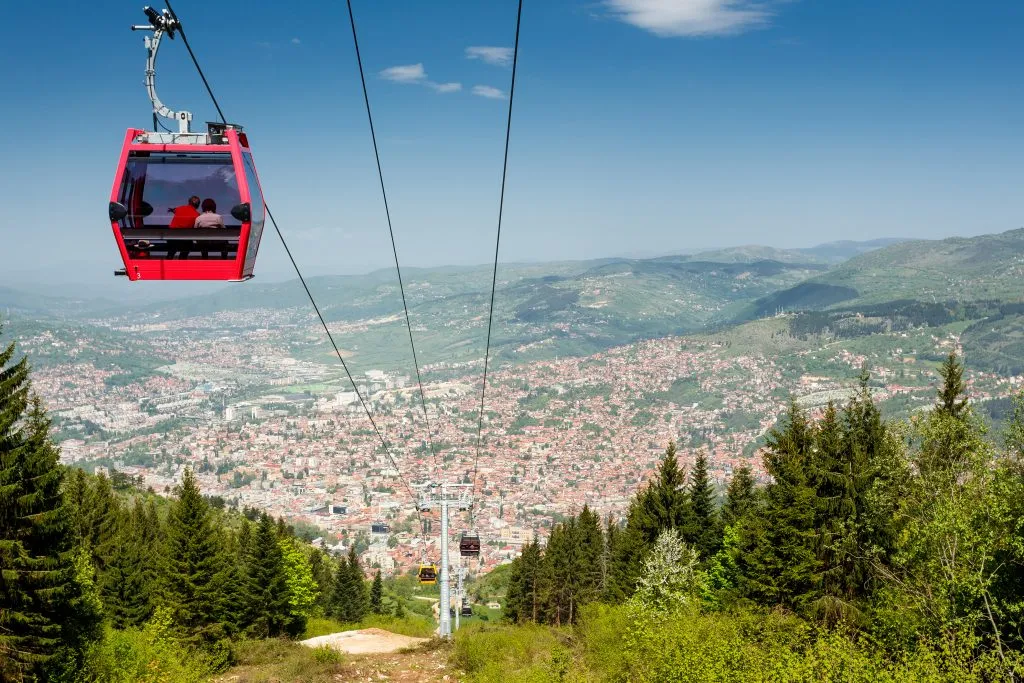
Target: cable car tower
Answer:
pixel 443 497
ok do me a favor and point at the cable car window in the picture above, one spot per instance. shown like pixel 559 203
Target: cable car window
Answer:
pixel 167 181
pixel 170 191
pixel 257 208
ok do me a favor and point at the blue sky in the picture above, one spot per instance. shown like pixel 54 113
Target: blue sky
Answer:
pixel 641 127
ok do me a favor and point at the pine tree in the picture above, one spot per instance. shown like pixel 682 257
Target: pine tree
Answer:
pixel 103 519
pixel 703 532
pixel 360 597
pixel 778 564
pixel 342 593
pixel 45 621
pixel 268 589
pixel 663 504
pixel 191 564
pixel 952 398
pixel 587 560
pixel 740 497
pixel 125 586
pixel 232 582
pixel 834 475
pixel 377 595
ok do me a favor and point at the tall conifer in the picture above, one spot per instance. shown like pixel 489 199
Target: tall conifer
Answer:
pixel 268 589
pixel 44 620
pixel 377 595
pixel 702 531
pixel 778 562
pixel 191 563
pixel 740 496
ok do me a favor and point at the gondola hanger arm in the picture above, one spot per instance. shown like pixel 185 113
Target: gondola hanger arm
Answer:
pixel 160 23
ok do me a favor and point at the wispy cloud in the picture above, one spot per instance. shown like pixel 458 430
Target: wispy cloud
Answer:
pixel 499 56
pixel 410 73
pixel 415 74
pixel 296 41
pixel 446 87
pixel 672 18
pixel 489 91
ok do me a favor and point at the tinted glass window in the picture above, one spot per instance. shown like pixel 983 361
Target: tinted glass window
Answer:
pixel 157 184
pixel 258 210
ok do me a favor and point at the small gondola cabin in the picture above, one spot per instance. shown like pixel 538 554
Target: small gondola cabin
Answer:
pixel 187 206
pixel 469 544
pixel 427 574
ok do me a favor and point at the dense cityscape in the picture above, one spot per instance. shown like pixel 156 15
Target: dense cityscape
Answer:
pixel 267 429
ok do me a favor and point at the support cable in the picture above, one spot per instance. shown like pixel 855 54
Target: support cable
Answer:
pixel 497 245
pixel 302 279
pixel 391 231
pixel 195 61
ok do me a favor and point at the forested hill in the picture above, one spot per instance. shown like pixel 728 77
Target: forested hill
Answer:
pixel 987 267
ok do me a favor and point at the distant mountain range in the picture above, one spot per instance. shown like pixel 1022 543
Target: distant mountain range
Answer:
pixel 581 307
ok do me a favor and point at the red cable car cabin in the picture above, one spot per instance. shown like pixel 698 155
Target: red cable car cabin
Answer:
pixel 187 206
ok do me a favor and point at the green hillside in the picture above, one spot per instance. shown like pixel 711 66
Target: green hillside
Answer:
pixel 987 267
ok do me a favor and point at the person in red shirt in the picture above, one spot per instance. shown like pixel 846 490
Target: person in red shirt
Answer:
pixel 184 217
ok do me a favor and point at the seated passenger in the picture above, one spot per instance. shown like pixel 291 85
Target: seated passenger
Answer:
pixel 211 219
pixel 184 217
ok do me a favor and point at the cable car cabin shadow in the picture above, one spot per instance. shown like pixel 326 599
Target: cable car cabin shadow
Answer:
pixel 187 206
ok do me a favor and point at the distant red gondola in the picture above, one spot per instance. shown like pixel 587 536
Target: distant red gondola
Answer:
pixel 184 205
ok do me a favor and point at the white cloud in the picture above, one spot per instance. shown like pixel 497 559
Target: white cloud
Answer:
pixel 415 74
pixel 446 87
pixel 296 41
pixel 410 73
pixel 489 92
pixel 668 18
pixel 499 56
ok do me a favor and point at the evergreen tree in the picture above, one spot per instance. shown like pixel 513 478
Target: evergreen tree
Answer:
pixel 835 478
pixel 191 565
pixel 952 398
pixel 103 522
pixel 377 595
pixel 232 582
pixel 703 532
pixel 740 497
pixel 45 621
pixel 125 586
pixel 268 589
pixel 342 595
pixel 361 598
pixel 948 431
pixel 524 600
pixel 778 563
pixel 662 504
pixel 349 600
pixel 588 560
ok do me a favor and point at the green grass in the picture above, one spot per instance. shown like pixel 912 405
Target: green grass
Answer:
pixel 507 654
pixel 264 661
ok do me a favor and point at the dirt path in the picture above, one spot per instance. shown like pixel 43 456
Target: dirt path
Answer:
pixel 365 641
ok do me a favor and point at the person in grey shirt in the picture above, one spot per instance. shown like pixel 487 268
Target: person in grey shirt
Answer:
pixel 209 218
